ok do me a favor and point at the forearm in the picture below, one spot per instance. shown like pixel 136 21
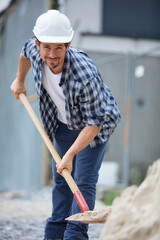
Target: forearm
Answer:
pixel 84 139
pixel 23 68
pixel 18 85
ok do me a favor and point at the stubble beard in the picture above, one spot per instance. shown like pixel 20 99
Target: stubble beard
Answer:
pixel 53 65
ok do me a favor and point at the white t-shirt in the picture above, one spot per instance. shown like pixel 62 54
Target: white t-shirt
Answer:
pixel 50 82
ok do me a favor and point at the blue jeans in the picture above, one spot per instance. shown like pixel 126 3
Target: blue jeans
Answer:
pixel 86 165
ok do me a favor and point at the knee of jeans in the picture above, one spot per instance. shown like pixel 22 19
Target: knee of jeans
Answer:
pixel 89 179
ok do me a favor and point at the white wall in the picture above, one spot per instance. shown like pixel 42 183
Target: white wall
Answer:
pixel 85 16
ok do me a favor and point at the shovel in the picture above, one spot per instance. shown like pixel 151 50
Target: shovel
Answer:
pixel 65 173
pixel 85 216
pixel 99 216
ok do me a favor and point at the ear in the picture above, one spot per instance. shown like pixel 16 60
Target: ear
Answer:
pixel 37 44
pixel 68 46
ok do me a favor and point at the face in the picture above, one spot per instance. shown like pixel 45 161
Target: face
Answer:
pixel 53 54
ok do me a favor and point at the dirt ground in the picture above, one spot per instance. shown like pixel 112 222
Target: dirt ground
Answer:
pixel 23 215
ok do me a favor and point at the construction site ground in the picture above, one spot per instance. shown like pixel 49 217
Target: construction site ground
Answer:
pixel 23 215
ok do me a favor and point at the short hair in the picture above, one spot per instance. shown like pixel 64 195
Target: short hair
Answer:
pixel 66 44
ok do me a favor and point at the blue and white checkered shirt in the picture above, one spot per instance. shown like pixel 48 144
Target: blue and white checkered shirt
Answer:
pixel 88 101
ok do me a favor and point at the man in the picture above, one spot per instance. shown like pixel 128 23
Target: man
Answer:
pixel 78 111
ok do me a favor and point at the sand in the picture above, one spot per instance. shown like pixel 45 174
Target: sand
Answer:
pixel 99 216
pixel 136 213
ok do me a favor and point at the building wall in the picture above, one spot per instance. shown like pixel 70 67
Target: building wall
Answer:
pixel 20 143
pixel 136 19
pixel 84 15
pixel 145 137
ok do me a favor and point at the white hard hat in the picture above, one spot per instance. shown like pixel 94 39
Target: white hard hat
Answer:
pixel 53 27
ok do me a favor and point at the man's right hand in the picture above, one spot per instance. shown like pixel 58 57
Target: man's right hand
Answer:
pixel 18 87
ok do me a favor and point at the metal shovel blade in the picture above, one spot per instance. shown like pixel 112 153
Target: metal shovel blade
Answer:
pixel 99 216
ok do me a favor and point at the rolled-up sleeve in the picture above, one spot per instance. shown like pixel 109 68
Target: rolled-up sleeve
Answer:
pixel 99 107
pixel 29 49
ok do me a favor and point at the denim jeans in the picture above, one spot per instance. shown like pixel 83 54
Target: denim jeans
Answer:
pixel 86 165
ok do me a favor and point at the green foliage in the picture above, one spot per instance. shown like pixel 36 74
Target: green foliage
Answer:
pixel 110 196
pixel 136 176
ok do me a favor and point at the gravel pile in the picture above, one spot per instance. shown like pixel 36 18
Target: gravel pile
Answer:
pixel 23 215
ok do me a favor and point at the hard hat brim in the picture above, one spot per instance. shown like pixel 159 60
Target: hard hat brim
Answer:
pixel 48 39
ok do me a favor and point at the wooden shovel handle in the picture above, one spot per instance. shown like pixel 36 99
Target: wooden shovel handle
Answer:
pixel 71 183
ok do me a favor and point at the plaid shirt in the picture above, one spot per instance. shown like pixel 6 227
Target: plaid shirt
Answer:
pixel 88 101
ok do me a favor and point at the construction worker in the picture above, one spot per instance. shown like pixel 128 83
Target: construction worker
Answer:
pixel 78 112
